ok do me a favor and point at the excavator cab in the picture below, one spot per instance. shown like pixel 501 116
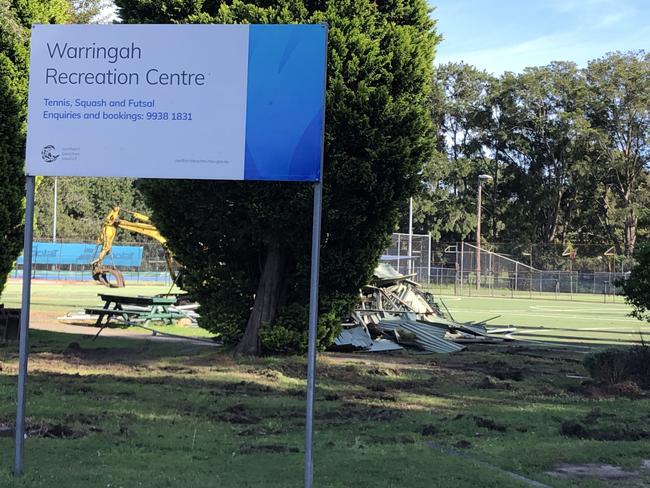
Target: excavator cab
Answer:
pixel 141 224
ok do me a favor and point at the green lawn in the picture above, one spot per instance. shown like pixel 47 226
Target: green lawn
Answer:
pixel 64 296
pixel 171 415
pixel 127 413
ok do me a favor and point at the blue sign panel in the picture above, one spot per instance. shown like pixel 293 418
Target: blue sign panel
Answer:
pixel 284 114
pixel 81 254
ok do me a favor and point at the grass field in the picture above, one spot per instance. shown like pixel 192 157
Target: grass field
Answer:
pixel 566 321
pixel 127 413
pixel 62 296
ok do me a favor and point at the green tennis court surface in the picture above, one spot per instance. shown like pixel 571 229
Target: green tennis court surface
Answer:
pixel 544 319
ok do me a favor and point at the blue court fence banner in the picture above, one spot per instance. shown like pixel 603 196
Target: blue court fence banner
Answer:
pixel 54 253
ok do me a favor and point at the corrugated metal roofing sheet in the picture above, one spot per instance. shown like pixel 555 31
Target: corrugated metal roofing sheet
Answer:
pixel 428 336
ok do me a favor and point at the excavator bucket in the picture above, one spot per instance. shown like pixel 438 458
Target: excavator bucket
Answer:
pixel 110 277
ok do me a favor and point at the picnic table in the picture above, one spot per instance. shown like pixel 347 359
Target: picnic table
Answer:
pixel 135 310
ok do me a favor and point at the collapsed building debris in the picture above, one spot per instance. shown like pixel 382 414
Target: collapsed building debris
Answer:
pixel 394 312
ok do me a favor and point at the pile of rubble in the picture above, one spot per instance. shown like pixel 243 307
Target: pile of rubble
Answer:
pixel 394 313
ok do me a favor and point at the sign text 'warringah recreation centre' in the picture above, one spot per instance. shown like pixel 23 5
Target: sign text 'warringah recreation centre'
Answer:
pixel 177 101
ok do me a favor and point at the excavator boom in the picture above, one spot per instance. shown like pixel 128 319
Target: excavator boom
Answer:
pixel 112 223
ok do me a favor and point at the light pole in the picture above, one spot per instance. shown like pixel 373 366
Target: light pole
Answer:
pixel 410 261
pixel 481 179
pixel 56 198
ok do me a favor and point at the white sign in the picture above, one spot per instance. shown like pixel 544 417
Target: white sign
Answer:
pixel 171 101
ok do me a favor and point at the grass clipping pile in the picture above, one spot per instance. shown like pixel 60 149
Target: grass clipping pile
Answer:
pixel 394 313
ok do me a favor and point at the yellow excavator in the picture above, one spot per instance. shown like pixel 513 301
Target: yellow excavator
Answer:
pixel 140 224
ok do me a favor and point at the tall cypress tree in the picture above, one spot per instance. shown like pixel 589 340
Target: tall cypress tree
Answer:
pixel 16 18
pixel 246 245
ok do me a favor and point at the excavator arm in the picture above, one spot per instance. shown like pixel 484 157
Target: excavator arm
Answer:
pixel 141 224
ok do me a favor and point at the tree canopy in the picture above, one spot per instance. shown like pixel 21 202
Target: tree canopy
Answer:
pixel 568 150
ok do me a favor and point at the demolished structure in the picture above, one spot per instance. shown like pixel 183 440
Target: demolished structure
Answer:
pixel 394 312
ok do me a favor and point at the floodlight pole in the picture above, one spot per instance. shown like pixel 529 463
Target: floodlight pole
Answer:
pixel 24 325
pixel 54 216
pixel 410 258
pixel 478 236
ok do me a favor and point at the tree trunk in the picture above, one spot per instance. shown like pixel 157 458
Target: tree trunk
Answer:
pixel 631 222
pixel 267 301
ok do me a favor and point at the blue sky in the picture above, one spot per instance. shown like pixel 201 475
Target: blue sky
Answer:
pixel 508 35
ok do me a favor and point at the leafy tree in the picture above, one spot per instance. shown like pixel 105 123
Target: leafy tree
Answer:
pixel 547 142
pixel 447 205
pixel 16 17
pixel 89 11
pixel 619 110
pixel 247 245
pixel 82 205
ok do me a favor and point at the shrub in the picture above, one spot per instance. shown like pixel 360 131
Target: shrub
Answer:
pixel 613 366
pixel 289 334
pixel 636 287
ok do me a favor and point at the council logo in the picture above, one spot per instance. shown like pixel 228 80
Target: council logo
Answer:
pixel 49 154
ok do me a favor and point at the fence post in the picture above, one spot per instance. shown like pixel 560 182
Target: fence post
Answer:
pixel 399 251
pixel 491 273
pixel 593 288
pixel 429 262
pixel 462 265
pixel 516 276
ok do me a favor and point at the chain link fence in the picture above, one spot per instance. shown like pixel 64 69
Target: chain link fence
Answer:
pixel 463 269
pixel 410 254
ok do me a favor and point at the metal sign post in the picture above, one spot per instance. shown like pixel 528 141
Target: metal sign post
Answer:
pixel 24 326
pixel 313 297
pixel 313 327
